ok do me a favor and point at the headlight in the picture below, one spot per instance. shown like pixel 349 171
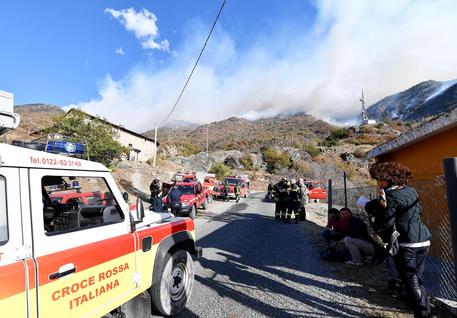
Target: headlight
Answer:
pixel 185 204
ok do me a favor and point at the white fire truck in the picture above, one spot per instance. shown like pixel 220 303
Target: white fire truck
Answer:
pixel 84 259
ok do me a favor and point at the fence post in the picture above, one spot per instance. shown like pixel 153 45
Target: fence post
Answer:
pixel 329 194
pixel 345 191
pixel 450 173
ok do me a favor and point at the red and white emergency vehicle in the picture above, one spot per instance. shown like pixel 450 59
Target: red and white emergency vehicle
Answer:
pixel 316 190
pixel 231 182
pixel 193 197
pixel 84 259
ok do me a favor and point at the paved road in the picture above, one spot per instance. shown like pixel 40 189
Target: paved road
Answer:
pixel 254 266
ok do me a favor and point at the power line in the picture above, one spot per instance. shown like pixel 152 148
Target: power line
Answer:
pixel 195 65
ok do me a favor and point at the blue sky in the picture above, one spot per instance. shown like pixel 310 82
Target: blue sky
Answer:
pixel 57 51
pixel 265 57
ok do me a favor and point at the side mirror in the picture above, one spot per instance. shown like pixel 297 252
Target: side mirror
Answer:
pixel 139 210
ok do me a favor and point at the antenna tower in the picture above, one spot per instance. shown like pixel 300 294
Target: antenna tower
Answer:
pixel 364 111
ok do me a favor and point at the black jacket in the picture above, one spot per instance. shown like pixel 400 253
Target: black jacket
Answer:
pixel 174 196
pixel 404 210
pixel 358 229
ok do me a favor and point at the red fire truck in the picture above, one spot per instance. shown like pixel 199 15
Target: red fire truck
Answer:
pixel 231 182
pixel 193 197
pixel 316 190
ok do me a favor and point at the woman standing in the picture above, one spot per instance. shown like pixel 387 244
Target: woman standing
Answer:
pixel 402 214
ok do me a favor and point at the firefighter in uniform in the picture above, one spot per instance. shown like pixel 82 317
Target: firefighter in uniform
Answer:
pixel 226 191
pixel 283 198
pixel 303 200
pixel 237 192
pixel 275 193
pixel 269 195
pixel 294 202
pixel 156 201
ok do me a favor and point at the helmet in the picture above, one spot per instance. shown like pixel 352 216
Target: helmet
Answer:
pixel 292 181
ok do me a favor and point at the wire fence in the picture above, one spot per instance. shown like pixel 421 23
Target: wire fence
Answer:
pixel 440 276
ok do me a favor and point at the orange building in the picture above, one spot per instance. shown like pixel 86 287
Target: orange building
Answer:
pixel 423 150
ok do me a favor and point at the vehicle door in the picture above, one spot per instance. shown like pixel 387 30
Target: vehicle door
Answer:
pixel 84 253
pixel 14 283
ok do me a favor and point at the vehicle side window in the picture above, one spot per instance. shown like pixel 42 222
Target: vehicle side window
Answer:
pixel 77 203
pixel 3 217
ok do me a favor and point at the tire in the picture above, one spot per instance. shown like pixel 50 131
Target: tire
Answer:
pixel 176 280
pixel 193 212
pixel 205 204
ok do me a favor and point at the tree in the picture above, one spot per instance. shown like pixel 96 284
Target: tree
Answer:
pixel 99 137
pixel 276 160
pixel 220 170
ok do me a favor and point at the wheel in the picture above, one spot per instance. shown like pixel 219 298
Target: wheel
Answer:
pixel 176 279
pixel 205 204
pixel 193 212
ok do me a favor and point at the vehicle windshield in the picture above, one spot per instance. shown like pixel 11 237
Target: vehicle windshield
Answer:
pixel 186 189
pixel 232 181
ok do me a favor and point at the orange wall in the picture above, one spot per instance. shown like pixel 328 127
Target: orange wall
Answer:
pixel 425 157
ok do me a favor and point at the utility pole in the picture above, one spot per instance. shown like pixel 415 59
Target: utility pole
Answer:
pixel 207 139
pixel 155 147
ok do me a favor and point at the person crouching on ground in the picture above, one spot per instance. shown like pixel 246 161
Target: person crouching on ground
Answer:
pixel 357 240
pixel 336 227
pixel 402 214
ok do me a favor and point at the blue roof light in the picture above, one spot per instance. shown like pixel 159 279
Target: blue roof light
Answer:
pixel 66 147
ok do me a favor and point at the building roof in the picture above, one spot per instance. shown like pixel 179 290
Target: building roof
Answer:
pixel 442 123
pixel 122 128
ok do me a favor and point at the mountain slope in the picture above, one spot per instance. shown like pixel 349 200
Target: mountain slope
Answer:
pixel 422 100
pixel 34 117
pixel 246 135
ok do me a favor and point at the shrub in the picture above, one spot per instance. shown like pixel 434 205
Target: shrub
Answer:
pixel 329 141
pixel 220 170
pixel 359 153
pixel 276 160
pixel 339 133
pixel 303 169
pixel 189 149
pixel 247 163
pixel 312 150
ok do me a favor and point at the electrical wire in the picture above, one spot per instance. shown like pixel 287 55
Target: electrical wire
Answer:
pixel 195 65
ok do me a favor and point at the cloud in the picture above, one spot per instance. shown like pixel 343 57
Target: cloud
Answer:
pixel 120 51
pixel 143 24
pixel 381 46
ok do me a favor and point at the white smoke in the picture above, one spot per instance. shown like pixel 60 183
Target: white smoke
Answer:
pixel 380 46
